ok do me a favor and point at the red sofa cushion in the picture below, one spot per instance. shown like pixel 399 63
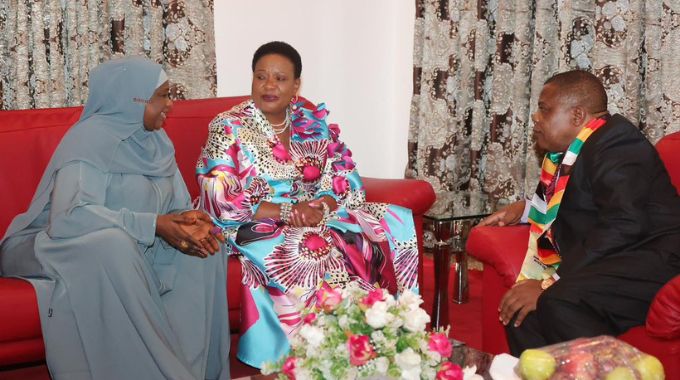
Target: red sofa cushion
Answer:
pixel 663 319
pixel 489 245
pixel 30 137
pixel 20 336
pixel 418 197
pixel 669 150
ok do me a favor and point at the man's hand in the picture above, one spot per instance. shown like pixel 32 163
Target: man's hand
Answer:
pixel 520 299
pixel 509 215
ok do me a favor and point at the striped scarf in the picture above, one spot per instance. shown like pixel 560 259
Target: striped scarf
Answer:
pixel 542 258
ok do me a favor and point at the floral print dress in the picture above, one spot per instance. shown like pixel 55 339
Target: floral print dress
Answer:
pixel 242 164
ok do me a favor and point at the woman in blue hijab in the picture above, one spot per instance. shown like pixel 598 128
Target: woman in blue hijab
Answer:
pixel 131 283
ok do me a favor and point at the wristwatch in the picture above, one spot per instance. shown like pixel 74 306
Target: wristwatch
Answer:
pixel 545 284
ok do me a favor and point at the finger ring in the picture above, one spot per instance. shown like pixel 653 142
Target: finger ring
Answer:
pixel 183 244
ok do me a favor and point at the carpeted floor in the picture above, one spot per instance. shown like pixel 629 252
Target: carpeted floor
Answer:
pixel 465 325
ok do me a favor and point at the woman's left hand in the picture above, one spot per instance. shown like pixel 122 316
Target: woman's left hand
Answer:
pixel 304 215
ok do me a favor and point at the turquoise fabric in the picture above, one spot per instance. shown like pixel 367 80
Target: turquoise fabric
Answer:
pixel 244 163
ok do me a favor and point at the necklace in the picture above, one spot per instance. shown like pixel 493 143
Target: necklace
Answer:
pixel 279 130
pixel 285 123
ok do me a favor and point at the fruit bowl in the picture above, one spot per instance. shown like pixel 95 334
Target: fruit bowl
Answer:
pixel 602 357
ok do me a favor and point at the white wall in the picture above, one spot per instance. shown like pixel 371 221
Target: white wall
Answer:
pixel 356 57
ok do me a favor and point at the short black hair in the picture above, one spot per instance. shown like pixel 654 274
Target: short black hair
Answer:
pixel 280 48
pixel 581 88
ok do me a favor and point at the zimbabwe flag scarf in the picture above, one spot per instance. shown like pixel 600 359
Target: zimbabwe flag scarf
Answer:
pixel 543 258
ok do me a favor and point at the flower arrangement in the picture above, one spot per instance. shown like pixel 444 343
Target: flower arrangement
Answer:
pixel 352 333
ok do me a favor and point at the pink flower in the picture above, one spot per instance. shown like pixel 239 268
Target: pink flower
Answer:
pixel 280 153
pixel 340 185
pixel 320 112
pixel 334 131
pixel 314 242
pixel 372 297
pixel 450 371
pixel 346 163
pixel 335 147
pixel 309 318
pixel 360 350
pixel 328 298
pixel 311 173
pixel 288 368
pixel 440 344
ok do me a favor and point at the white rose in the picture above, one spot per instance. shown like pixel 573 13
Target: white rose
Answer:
pixel 407 360
pixel 341 350
pixel 395 323
pixel 432 357
pixel 416 320
pixel 470 373
pixel 381 365
pixel 313 351
pixel 377 336
pixel 410 299
pixel 389 299
pixel 429 373
pixel 312 334
pixel 303 374
pixel 343 322
pixel 377 316
pixel 411 374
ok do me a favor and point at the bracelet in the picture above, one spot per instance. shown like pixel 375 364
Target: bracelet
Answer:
pixel 285 209
pixel 326 214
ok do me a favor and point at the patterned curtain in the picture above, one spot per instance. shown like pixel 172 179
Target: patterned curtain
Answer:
pixel 479 66
pixel 48 47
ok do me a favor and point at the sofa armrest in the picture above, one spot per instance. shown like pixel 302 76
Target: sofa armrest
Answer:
pixel 502 248
pixel 414 194
pixel 663 319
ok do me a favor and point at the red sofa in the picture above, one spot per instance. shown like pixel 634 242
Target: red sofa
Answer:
pixel 27 140
pixel 502 251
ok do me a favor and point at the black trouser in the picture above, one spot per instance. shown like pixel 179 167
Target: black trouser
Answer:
pixel 606 298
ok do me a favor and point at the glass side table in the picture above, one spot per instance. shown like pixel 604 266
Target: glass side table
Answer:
pixel 449 232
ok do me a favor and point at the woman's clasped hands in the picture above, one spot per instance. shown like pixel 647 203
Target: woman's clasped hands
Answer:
pixel 310 213
pixel 191 232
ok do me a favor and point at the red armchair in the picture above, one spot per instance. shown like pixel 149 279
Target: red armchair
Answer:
pixel 502 251
pixel 27 140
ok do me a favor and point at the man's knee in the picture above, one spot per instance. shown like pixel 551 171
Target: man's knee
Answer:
pixel 555 303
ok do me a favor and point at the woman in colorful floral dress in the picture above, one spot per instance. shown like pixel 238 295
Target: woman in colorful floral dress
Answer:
pixel 287 194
